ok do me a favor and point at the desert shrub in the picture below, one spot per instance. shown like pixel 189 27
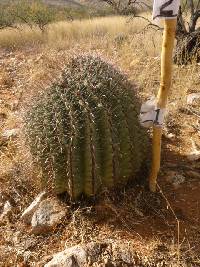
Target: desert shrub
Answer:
pixel 84 130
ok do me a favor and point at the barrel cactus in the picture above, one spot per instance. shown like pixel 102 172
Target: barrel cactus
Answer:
pixel 84 130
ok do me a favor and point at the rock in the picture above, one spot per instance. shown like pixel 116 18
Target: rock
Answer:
pixel 72 257
pixel 96 254
pixel 47 216
pixel 78 256
pixel 28 213
pixel 7 134
pixel 6 210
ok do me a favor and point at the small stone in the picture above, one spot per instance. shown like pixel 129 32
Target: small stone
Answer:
pixel 47 216
pixel 28 213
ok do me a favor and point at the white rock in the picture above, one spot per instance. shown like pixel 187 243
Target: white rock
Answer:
pixel 71 257
pixel 47 216
pixel 28 213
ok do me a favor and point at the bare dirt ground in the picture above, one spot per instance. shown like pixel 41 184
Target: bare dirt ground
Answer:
pixel 162 228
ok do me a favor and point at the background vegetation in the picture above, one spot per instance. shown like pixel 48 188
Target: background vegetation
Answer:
pixel 38 13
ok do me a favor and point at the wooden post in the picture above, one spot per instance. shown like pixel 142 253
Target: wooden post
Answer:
pixel 165 83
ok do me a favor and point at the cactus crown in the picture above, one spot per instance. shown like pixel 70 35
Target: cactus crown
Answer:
pixel 84 131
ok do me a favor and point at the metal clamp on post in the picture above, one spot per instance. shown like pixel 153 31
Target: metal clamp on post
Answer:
pixel 160 115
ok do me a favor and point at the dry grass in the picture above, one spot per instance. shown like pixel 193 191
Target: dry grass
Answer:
pixel 66 33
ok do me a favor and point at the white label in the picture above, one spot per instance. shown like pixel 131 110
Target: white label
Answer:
pixel 151 115
pixel 165 9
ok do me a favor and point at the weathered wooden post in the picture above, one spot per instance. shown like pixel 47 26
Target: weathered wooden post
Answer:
pixel 168 10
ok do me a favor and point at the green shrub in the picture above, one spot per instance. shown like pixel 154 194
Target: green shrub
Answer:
pixel 84 131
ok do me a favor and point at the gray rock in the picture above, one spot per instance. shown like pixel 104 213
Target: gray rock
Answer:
pixel 78 256
pixel 28 213
pixel 100 254
pixel 47 216
pixel 71 257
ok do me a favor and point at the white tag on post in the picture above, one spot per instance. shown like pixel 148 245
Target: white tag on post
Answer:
pixel 167 9
pixel 151 115
pixel 147 113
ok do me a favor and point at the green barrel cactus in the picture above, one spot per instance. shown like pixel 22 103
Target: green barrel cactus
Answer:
pixel 84 130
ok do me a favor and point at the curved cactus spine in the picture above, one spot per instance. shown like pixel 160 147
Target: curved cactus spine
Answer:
pixel 84 130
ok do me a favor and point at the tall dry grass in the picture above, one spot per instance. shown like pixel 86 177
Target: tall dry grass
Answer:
pixel 65 33
pixel 118 37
